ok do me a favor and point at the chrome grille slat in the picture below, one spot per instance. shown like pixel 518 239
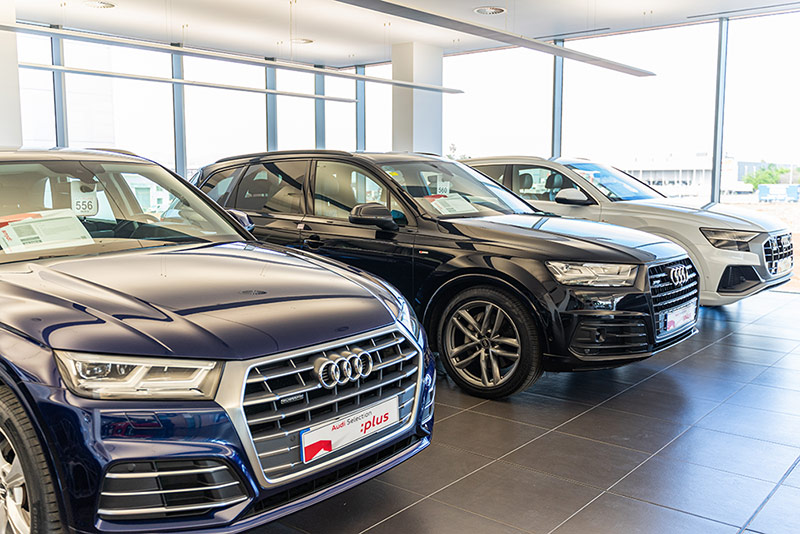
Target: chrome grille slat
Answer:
pixel 167 473
pixel 776 248
pixel 283 397
pixel 667 296
pixel 168 509
pixel 167 492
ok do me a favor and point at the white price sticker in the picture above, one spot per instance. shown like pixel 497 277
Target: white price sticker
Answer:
pixel 84 199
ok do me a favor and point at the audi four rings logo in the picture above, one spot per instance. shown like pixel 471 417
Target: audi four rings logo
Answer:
pixel 339 368
pixel 679 275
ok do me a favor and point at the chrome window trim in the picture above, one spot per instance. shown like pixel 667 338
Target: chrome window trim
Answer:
pixel 230 396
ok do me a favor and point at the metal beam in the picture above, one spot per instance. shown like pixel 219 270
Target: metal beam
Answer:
pixel 319 111
pixel 272 110
pixel 558 101
pixel 487 32
pixel 59 92
pixel 212 54
pixel 361 111
pixel 179 116
pixel 719 110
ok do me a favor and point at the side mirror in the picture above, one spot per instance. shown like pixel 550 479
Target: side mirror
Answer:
pixel 573 196
pixel 373 214
pixel 243 219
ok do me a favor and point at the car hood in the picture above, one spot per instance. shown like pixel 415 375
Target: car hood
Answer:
pixel 568 239
pixel 229 301
pixel 710 216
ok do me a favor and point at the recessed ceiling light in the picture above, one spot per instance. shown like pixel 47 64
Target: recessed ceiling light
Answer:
pixel 99 4
pixel 490 10
pixel 300 40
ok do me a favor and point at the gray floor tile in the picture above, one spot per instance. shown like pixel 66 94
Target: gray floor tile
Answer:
pixel 443 411
pixel 768 398
pixel 720 369
pixel 672 407
pixel 790 361
pixel 547 412
pixel 435 517
pixel 794 478
pixel 687 385
pixel 433 469
pixel 624 429
pixel 484 435
pixel 780 378
pixel 579 387
pixel 611 514
pixel 524 499
pixel 767 327
pixel 761 342
pixel 353 510
pixel 737 454
pixel 451 395
pixel 781 514
pixel 579 459
pixel 753 423
pixel 276 527
pixel 696 489
pixel 740 354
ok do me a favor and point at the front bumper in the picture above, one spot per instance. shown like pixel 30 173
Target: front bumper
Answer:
pixel 601 328
pixel 89 439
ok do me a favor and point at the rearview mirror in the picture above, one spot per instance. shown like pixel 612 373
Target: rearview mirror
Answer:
pixel 243 219
pixel 573 196
pixel 373 214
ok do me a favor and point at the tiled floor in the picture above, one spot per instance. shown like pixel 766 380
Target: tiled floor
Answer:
pixel 702 438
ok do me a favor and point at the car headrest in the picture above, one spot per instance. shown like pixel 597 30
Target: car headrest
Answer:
pixel 525 181
pixel 554 181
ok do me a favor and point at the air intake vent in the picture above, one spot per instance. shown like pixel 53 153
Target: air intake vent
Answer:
pixel 168 489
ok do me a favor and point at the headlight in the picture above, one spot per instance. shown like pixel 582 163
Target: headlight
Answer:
pixel 729 239
pixel 593 274
pixel 121 377
pixel 401 309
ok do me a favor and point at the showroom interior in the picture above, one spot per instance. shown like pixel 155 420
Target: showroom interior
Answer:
pixel 692 104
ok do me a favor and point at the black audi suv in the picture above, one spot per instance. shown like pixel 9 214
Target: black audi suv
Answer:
pixel 505 291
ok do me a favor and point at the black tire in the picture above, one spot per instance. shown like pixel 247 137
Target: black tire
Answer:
pixel 476 357
pixel 40 495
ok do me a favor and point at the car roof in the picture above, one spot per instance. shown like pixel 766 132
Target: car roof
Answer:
pixel 504 159
pixel 374 157
pixel 62 154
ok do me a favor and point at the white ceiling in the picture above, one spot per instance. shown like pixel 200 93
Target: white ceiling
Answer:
pixel 345 35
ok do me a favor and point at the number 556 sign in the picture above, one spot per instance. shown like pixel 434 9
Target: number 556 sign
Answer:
pixel 83 199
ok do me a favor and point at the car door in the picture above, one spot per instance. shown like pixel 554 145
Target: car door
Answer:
pixel 337 186
pixel 539 185
pixel 271 192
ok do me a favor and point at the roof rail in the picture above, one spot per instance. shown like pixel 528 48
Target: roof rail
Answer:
pixel 285 153
pixel 116 151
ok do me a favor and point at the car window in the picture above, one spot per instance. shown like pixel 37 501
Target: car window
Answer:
pixel 533 182
pixel 495 172
pixel 220 185
pixel 338 187
pixel 613 183
pixel 61 208
pixel 275 187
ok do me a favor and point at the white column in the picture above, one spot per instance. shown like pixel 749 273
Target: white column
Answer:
pixel 10 114
pixel 416 114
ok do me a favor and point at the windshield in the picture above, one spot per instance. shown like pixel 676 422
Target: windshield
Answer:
pixel 65 208
pixel 446 189
pixel 614 184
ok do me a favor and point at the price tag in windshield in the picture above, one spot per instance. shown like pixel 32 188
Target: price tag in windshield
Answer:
pixel 84 199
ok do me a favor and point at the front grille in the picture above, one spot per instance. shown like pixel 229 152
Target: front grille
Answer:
pixel 147 490
pixel 283 397
pixel 667 294
pixel 777 248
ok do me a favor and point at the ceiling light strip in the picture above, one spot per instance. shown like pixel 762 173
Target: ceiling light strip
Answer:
pixel 139 77
pixel 426 17
pixel 212 54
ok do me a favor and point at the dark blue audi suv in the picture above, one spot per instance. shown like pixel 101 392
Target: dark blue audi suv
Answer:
pixel 160 370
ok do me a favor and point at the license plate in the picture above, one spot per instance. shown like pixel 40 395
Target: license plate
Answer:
pixel 681 316
pixel 784 264
pixel 329 437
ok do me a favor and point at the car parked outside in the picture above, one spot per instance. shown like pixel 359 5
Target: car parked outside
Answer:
pixel 168 373
pixel 505 291
pixel 737 253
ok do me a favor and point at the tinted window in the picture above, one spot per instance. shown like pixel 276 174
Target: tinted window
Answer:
pixel 614 184
pixel 495 172
pixel 538 183
pixel 275 187
pixel 340 186
pixel 220 185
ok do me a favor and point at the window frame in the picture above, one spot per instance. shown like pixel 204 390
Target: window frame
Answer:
pixel 568 174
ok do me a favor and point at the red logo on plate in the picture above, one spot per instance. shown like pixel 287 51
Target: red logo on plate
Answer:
pixel 311 451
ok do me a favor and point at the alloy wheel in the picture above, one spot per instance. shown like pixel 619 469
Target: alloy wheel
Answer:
pixel 15 514
pixel 482 343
